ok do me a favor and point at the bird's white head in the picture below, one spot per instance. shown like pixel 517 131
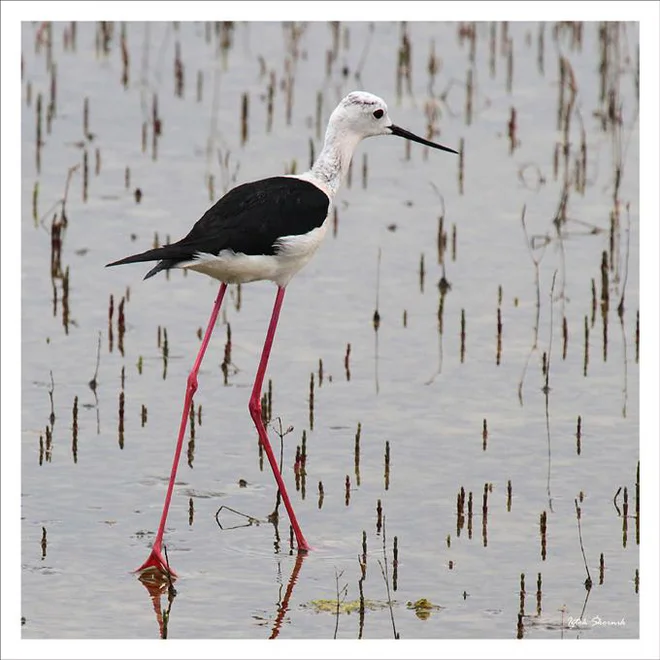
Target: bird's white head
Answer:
pixel 358 115
pixel 361 114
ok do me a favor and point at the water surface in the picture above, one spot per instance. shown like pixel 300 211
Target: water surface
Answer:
pixel 90 507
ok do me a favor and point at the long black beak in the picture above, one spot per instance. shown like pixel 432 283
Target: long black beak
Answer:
pixel 402 132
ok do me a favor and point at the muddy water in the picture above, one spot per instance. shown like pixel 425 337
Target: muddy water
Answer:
pixel 484 468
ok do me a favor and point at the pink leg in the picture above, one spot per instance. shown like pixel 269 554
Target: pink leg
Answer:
pixel 156 561
pixel 255 412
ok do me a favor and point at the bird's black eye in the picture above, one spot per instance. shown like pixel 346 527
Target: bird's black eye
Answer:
pixel 378 113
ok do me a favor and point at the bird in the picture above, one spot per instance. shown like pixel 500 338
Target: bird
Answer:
pixel 267 229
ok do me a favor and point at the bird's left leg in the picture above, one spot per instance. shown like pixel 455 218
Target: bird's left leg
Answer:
pixel 255 412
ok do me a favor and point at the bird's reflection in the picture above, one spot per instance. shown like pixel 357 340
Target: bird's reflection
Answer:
pixel 283 604
pixel 159 584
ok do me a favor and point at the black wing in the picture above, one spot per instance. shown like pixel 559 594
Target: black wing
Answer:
pixel 249 219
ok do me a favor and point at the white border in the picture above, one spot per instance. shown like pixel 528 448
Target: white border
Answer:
pixel 14 12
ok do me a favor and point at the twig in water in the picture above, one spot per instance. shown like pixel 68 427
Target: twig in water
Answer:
pixel 250 519
pixel 62 201
pixel 616 506
pixel 546 387
pixel 546 392
pixel 444 285
pixel 385 574
pixel 365 52
pixel 376 322
pixel 535 340
pixel 363 566
pixel 94 382
pixel 620 311
pixel 274 516
pixel 51 390
pixel 342 593
pixel 578 511
pixel 171 595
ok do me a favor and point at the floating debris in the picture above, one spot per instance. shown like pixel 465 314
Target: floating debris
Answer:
pixel 422 272
pixel 85 180
pixel 121 420
pixel 543 524
pixel 499 336
pixel 469 515
pixel 125 60
pixel 637 494
pixel 356 453
pixel 461 166
pixel 423 608
pixel 484 517
pixel 311 401
pixel 178 71
pixel 586 347
pixel 245 107
pixel 460 510
pixel 387 465
pixel 165 353
pixel 624 517
pixel 121 326
pixel 512 127
pixel 111 310
pixel 395 563
pixel 226 360
pixel 74 441
pixel 578 435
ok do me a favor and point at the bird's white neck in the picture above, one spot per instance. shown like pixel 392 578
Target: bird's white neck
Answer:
pixel 331 166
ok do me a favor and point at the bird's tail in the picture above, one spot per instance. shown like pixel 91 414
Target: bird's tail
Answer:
pixel 161 253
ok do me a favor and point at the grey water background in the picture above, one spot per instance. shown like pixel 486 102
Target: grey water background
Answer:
pixel 87 523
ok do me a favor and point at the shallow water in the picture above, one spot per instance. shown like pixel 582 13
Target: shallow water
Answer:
pixel 409 389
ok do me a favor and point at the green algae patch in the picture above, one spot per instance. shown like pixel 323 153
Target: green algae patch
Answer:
pixel 345 607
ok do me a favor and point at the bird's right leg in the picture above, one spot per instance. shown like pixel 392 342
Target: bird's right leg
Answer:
pixel 156 561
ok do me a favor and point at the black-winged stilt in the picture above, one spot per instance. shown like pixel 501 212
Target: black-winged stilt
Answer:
pixel 268 230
